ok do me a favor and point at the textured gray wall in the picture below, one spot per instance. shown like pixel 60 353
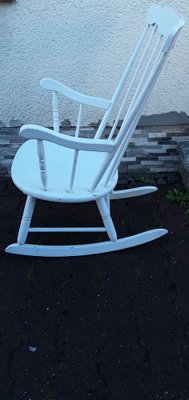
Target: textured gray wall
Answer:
pixel 85 44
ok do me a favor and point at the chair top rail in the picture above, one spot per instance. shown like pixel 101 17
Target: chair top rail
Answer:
pixel 165 17
pixel 169 23
pixel 53 85
pixel 30 131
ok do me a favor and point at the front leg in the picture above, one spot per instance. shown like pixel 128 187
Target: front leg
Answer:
pixel 105 214
pixel 26 219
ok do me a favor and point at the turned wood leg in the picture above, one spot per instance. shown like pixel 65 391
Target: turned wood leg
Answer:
pixel 26 219
pixel 105 214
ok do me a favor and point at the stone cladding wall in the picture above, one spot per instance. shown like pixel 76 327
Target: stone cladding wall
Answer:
pixel 152 155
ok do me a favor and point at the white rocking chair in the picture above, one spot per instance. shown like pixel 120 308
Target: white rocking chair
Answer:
pixel 59 168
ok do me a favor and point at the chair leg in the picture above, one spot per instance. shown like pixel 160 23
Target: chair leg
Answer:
pixel 26 219
pixel 105 214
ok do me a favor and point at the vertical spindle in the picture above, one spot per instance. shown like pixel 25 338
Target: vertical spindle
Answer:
pixel 76 152
pixel 42 163
pixel 55 112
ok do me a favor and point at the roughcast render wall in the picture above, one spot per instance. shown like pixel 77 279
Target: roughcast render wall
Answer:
pixel 86 45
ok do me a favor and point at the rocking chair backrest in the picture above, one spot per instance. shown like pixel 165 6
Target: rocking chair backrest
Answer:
pixel 162 28
pixel 143 69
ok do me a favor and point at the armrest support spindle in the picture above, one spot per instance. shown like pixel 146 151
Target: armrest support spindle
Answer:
pixel 42 163
pixel 55 112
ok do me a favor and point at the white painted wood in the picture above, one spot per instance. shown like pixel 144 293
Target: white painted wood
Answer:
pixel 76 152
pixel 59 162
pixel 86 249
pixel 104 167
pixel 26 219
pixel 74 166
pixel 107 198
pixel 42 164
pixel 82 229
pixel 52 84
pixel 39 132
pixel 93 175
pixel 131 118
pixel 165 17
pixel 147 69
pixel 130 88
pixel 141 95
pixel 130 121
pixel 134 192
pixel 121 85
pixel 55 112
pixel 105 214
pixel 79 120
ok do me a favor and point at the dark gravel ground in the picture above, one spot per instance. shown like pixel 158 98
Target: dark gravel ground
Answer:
pixel 103 327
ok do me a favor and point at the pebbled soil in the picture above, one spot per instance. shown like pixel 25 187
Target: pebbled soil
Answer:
pixel 102 327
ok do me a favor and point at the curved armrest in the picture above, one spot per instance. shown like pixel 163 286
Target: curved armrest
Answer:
pixel 52 84
pixel 76 143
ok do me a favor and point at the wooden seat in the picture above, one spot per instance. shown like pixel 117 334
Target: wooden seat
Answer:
pixel 59 158
pixel 60 168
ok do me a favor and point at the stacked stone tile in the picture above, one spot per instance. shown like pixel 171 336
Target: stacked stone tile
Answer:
pixel 183 149
pixel 152 154
pixel 10 141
